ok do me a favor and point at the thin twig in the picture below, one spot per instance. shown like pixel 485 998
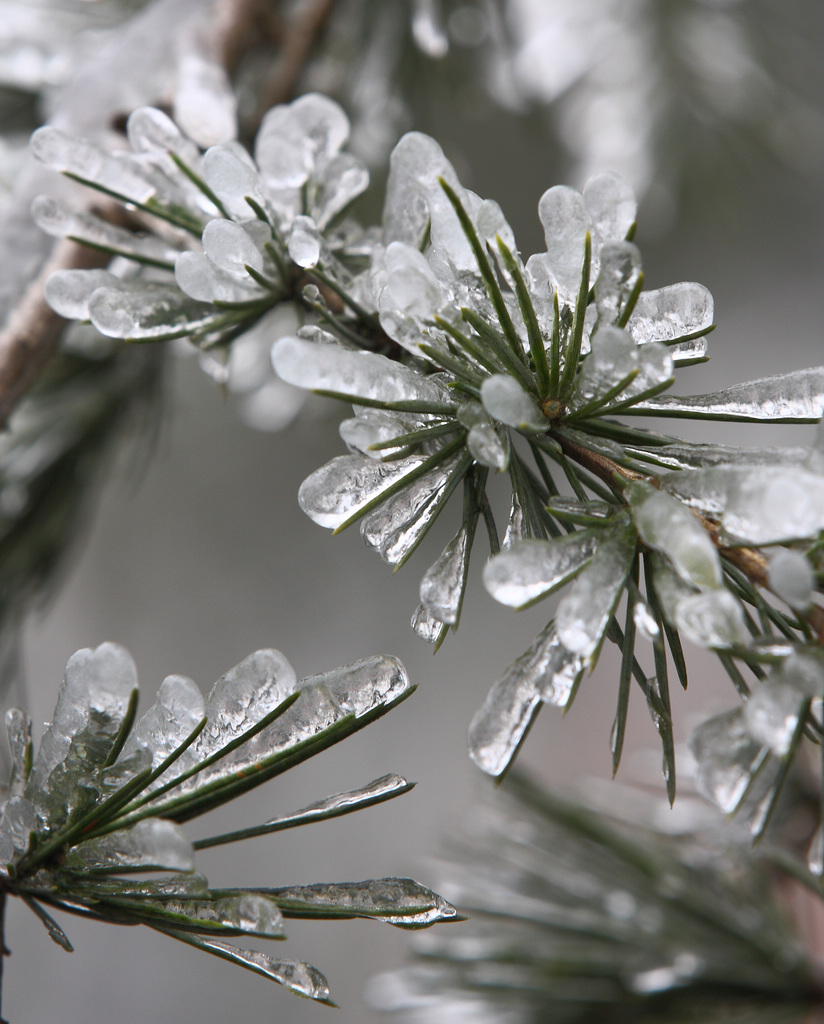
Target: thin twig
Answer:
pixel 300 35
pixel 30 337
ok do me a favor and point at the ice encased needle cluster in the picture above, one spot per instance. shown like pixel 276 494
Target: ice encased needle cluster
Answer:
pixel 106 794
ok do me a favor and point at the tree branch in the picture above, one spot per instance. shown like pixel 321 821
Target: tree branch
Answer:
pixel 30 337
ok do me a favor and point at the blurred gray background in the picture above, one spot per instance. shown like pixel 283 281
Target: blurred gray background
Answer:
pixel 206 556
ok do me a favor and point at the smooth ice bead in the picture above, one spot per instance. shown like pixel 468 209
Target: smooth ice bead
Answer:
pixel 179 707
pixel 150 131
pixel 231 174
pixel 564 215
pixel 362 432
pixel 669 527
pixel 712 619
pixel 363 685
pixel 305 242
pixel 294 138
pixel 202 280
pixel 425 625
pixel 204 101
pixel 68 291
pixel 232 246
pixel 613 357
pixel 790 577
pixel 486 447
pixel 295 975
pixel 531 569
pixel 610 203
pixel 153 313
pixel 506 401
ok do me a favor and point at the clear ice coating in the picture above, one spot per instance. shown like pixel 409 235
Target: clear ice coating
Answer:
pixel 709 618
pixel 618 276
pixel 486 447
pixel 546 671
pixel 247 912
pixel 665 524
pixel 380 789
pixel 796 397
pixel 371 427
pixel 790 577
pixel 584 611
pixel 16 828
pixel 305 242
pixel 153 844
pixel 442 586
pixel 91 706
pixel 529 569
pixel 755 504
pixel 338 490
pixel 397 525
pixel 240 699
pixel 299 977
pixel 727 758
pixel 179 707
pixel 60 221
pixel 159 311
pixel 506 401
pixel 18 729
pixel 565 218
pixel 772 712
pixel 365 374
pixel 399 901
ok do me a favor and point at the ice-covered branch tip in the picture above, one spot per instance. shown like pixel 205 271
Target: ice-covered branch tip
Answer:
pixel 107 793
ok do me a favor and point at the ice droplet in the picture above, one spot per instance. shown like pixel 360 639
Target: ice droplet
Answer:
pixel 442 586
pixel 411 286
pixel 232 175
pixel 583 612
pixel 546 671
pixel 796 397
pixel 232 246
pixel 204 101
pixel 16 828
pixel 564 215
pixel 370 427
pixel 506 401
pixel 530 569
pixel 675 311
pixel 613 356
pixel 295 975
pixel 203 281
pixel 68 291
pixel 610 203
pixel 425 625
pixel 150 131
pixel 712 619
pixel 305 242
pixel 151 845
pixel 486 447
pixel 344 179
pixel 790 577
pixel 645 621
pixel 668 526
pixel 428 31
pixel 727 758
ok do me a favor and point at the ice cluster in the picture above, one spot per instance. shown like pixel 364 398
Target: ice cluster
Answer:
pixel 107 792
